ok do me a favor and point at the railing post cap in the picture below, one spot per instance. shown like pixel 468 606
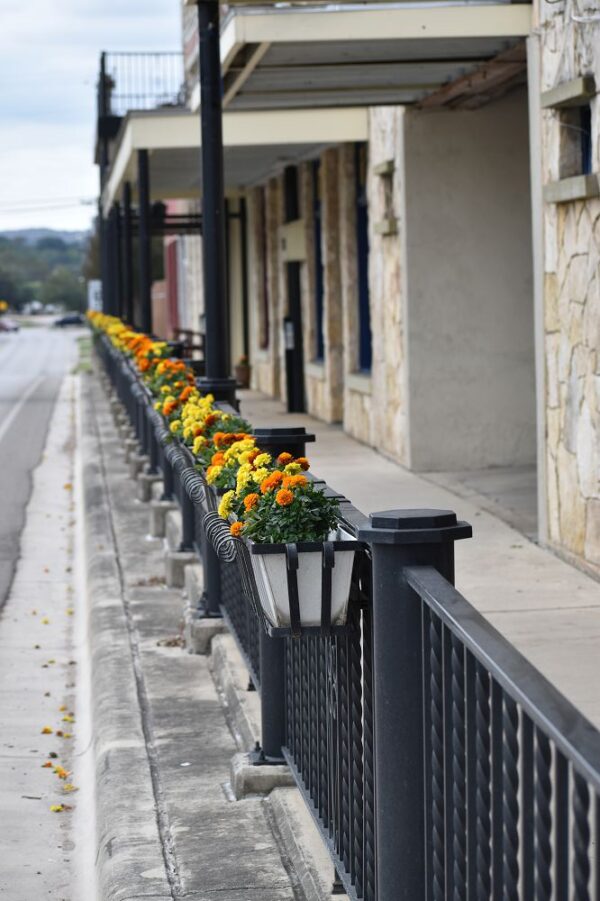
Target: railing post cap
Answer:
pixel 419 518
pixel 414 526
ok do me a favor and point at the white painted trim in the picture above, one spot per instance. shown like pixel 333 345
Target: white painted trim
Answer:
pixel 537 241
pixel 177 129
pixel 363 24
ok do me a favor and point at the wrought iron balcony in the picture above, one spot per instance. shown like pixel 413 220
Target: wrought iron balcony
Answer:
pixel 139 81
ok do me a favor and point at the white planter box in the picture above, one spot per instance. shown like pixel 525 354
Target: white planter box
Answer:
pixel 269 565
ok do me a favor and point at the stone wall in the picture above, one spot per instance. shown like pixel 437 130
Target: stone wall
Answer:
pixel 571 304
pixel 389 415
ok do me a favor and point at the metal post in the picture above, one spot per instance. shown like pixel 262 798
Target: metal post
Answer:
pixel 145 259
pixel 127 255
pixel 118 260
pixel 401 538
pixel 217 379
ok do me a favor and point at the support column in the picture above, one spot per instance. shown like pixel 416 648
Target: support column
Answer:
pixel 145 258
pixel 117 260
pixel 217 379
pixel 128 313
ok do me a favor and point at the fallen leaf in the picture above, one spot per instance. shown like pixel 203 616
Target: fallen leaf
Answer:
pixel 66 734
pixel 70 611
pixel 53 755
pixel 68 486
pixel 69 718
pixel 69 787
pixel 57 808
pixel 62 708
pixel 45 621
pixel 47 730
pixel 48 765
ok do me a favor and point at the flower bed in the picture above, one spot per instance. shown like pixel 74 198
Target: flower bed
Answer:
pixel 269 502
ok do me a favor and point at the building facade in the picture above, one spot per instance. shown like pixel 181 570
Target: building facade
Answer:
pixel 431 279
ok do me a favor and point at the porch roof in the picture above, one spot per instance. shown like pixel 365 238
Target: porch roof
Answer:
pixel 256 144
pixel 372 54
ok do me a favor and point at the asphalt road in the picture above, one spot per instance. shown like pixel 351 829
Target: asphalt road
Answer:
pixel 33 362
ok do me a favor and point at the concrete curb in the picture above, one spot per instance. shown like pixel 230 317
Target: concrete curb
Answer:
pixel 130 859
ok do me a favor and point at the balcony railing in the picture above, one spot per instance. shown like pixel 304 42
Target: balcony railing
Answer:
pixel 140 81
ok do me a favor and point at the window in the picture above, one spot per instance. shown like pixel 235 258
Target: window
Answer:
pixel 365 351
pixel 576 141
pixel 317 231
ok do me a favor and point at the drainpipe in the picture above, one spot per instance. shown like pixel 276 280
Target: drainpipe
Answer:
pixel 217 379
pixel 145 280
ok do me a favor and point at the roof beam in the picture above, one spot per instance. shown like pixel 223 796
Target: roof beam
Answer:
pixel 242 77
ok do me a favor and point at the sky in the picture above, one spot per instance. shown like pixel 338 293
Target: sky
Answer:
pixel 49 60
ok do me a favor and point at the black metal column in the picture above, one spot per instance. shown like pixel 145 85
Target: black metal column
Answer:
pixel 401 538
pixel 117 259
pixel 217 379
pixel 144 242
pixel 127 255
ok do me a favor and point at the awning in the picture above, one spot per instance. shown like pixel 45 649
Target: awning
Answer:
pixel 256 144
pixel 386 53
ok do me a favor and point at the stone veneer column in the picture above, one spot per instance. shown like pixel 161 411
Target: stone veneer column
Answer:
pixel 571 308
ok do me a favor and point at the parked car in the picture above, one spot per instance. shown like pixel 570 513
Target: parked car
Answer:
pixel 8 325
pixel 70 319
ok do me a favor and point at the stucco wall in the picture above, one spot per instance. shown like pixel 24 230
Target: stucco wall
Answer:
pixel 572 306
pixel 469 287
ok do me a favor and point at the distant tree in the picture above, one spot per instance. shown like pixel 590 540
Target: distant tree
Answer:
pixel 10 289
pixel 51 243
pixel 90 267
pixel 64 287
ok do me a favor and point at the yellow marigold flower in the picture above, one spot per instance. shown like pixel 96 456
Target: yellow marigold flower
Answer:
pixel 225 504
pixel 292 469
pixel 199 443
pixel 259 475
pixel 284 497
pixel 187 432
pixel 158 405
pixel 175 426
pixel 236 528
pixel 262 460
pixel 165 389
pixel 213 473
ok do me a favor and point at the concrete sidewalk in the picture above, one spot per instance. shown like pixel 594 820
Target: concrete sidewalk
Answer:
pixel 548 609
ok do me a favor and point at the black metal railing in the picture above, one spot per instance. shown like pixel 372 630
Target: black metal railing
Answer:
pixel 140 81
pixel 436 761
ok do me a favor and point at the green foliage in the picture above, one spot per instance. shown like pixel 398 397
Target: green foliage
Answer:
pixel 41 271
pixel 310 516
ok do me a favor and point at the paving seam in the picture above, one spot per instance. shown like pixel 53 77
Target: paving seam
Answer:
pixel 162 817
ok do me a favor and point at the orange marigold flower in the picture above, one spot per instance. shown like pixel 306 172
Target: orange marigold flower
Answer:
pixel 197 430
pixel 169 407
pixel 219 438
pixel 218 459
pixel 144 365
pixel 271 482
pixel 298 481
pixel 211 419
pixel 236 528
pixel 284 458
pixel 251 500
pixel 284 497
pixel 185 393
pixel 303 462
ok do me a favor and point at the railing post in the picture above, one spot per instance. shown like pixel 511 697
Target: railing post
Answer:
pixel 272 650
pixel 398 539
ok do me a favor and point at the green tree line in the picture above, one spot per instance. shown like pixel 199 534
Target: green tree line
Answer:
pixel 50 270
